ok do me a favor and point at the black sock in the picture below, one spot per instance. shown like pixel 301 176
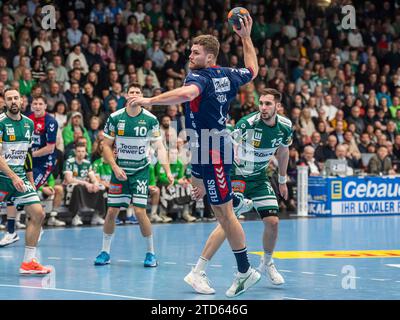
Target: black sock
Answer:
pixel 235 200
pixel 242 260
pixel 10 225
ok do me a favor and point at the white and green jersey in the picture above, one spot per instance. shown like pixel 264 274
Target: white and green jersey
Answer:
pixel 258 142
pixel 132 137
pixel 79 171
pixel 15 140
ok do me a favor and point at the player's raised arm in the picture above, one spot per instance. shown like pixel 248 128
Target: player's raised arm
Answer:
pixel 179 95
pixel 249 52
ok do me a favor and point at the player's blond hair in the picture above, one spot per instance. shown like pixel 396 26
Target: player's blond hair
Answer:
pixel 209 43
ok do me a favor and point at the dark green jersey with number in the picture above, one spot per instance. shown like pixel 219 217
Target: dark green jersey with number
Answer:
pixel 15 140
pixel 79 170
pixel 132 137
pixel 258 142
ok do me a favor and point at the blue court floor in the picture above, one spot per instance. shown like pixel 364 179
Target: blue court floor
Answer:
pixel 71 252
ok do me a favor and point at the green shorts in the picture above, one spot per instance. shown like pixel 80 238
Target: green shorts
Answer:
pixel 9 193
pixel 260 191
pixel 134 189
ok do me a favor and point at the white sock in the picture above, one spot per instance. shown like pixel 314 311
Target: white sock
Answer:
pixel 150 244
pixel 201 264
pixel 267 258
pixel 107 242
pixel 154 208
pixel 129 212
pixel 30 253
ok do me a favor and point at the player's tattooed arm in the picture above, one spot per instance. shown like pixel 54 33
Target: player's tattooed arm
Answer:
pixel 179 95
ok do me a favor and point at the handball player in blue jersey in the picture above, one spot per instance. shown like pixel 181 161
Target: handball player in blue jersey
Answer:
pixel 207 93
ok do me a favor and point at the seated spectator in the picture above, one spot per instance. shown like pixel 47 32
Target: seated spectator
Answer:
pixel 365 141
pixel 309 161
pixel 74 92
pixel 115 93
pixel 342 153
pixel 146 70
pixel 87 195
pixel 54 96
pixel 94 128
pixel 352 145
pixel 306 122
pixel 380 164
pixel 76 53
pixel 75 124
pixel 60 114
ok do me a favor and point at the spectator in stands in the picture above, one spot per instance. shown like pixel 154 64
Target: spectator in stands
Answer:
pixel 309 161
pixel 87 195
pixel 342 153
pixel 365 141
pixel 75 125
pixel 146 70
pixel 380 164
pixel 54 96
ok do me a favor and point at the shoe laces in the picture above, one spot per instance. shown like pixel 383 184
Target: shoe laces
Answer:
pixel 204 278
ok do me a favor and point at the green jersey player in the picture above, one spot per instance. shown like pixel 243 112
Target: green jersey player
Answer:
pixel 132 129
pixel 260 135
pixel 16 132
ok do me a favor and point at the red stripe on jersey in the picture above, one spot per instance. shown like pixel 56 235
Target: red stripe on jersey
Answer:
pixel 195 104
pixel 39 123
pixel 219 173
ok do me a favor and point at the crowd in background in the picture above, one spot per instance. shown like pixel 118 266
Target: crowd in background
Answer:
pixel 340 87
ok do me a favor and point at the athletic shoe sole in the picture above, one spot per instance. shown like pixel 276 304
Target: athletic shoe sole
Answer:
pixel 243 291
pixel 189 281
pixel 7 244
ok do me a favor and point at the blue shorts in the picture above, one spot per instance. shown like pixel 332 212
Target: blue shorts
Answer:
pixel 41 172
pixel 216 178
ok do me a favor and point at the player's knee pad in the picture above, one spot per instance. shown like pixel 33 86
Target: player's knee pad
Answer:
pixel 268 213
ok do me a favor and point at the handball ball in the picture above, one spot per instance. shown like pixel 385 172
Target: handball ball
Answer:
pixel 235 15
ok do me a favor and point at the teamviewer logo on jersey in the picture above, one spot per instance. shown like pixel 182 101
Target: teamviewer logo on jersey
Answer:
pixel 222 84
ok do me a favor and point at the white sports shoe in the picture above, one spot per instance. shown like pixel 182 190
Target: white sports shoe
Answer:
pixel 242 282
pixel 199 282
pixel 271 272
pixel 53 221
pixel 165 218
pixel 19 225
pixel 77 221
pixel 96 219
pixel 244 206
pixel 8 239
pixel 156 218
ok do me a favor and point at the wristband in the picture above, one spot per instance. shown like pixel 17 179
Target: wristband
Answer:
pixel 282 179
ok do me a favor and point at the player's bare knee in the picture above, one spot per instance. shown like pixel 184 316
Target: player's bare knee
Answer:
pixel 112 213
pixel 271 222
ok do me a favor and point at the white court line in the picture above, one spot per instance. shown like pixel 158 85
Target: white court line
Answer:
pixel 6 256
pixel 282 270
pixel 374 279
pixel 330 275
pixel 397 281
pixel 216 265
pixel 304 272
pixel 76 291
pixel 167 262
pixel 190 264
pixel 53 258
pixel 290 298
pixel 123 260
pixel 78 259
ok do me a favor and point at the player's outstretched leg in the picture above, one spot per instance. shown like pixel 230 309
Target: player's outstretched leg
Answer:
pixel 246 275
pixel 108 232
pixel 30 265
pixel 267 266
pixel 145 228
